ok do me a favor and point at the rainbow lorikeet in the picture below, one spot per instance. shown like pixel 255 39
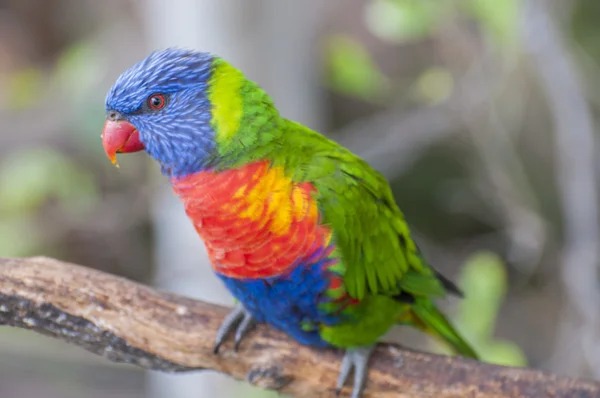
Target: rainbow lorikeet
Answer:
pixel 305 234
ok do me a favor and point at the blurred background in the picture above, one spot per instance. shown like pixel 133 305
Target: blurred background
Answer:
pixel 482 114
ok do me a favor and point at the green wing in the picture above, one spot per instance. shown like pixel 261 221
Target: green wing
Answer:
pixel 369 229
pixel 382 264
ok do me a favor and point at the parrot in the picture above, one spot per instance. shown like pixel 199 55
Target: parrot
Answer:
pixel 305 234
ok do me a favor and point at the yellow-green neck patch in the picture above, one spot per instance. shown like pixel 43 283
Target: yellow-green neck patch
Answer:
pixel 225 95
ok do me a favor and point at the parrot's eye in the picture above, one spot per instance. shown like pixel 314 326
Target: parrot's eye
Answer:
pixel 156 101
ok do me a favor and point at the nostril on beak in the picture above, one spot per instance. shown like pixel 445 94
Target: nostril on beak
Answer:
pixel 113 116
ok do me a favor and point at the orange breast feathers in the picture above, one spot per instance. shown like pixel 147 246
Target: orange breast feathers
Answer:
pixel 255 221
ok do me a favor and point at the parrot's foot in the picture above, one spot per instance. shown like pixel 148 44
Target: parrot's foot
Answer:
pixel 239 320
pixel 358 359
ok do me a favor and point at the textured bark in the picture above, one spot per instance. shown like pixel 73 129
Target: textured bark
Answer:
pixel 128 322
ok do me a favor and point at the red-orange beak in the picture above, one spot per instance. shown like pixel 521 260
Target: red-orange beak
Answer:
pixel 119 136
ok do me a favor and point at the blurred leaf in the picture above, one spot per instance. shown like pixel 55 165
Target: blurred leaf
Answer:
pixel 498 18
pixel 24 88
pixel 18 236
pixel 401 20
pixel 78 73
pixel 77 70
pixel 483 280
pixel 352 71
pixel 24 181
pixel 434 85
pixel 29 177
pixel 503 353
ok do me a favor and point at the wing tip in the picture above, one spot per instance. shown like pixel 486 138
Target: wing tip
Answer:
pixel 449 285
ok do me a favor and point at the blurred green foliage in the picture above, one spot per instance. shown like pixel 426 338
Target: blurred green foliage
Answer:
pixel 483 280
pixel 498 19
pixel 37 177
pixel 584 30
pixel 402 20
pixel 29 178
pixel 77 73
pixel 353 71
pixel 434 85
pixel 24 88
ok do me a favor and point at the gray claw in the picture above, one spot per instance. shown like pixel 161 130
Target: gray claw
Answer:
pixel 357 358
pixel 247 322
pixel 239 316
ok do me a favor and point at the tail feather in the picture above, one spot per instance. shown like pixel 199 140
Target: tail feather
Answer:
pixel 428 318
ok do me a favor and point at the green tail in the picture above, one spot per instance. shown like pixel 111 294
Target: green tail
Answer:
pixel 433 322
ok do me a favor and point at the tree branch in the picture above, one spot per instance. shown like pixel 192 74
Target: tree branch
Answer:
pixel 128 322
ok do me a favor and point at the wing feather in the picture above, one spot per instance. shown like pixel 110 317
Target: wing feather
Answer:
pixel 369 229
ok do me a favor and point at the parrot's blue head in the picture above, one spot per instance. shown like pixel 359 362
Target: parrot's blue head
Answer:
pixel 161 105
